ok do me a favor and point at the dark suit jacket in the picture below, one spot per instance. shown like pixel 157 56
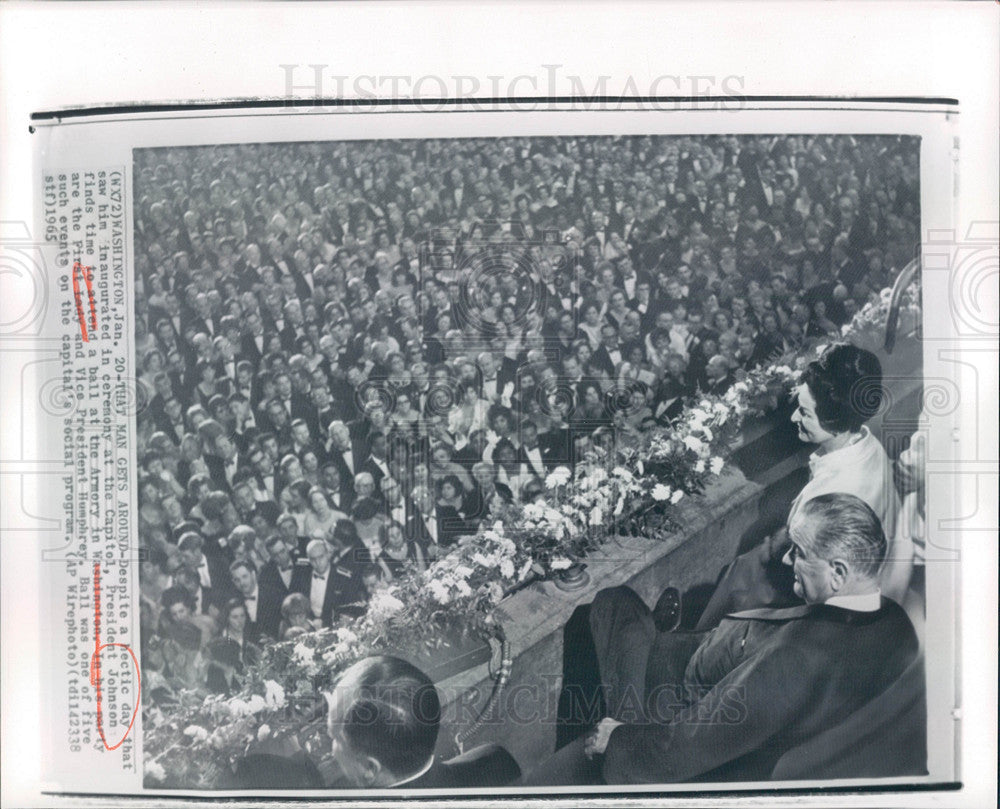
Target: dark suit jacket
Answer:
pixel 763 682
pixel 268 614
pixel 343 587
pixel 270 577
pixel 217 471
pixel 557 447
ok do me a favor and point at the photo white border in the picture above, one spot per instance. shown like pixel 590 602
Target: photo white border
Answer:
pixel 169 51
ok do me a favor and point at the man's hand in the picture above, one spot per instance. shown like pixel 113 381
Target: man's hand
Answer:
pixel 597 741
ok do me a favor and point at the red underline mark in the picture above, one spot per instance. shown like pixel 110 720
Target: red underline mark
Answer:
pixel 95 662
pixel 88 277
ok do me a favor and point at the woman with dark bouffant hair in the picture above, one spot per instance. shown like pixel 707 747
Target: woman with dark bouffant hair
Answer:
pixel 837 394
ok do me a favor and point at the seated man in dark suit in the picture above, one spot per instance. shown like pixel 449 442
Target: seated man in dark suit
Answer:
pixel 729 703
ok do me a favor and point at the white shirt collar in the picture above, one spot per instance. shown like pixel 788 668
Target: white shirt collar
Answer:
pixel 862 602
pixel 840 456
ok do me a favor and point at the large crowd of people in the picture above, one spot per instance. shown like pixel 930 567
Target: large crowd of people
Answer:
pixel 351 351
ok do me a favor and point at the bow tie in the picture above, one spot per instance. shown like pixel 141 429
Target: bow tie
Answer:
pixel 249 598
pixel 319 576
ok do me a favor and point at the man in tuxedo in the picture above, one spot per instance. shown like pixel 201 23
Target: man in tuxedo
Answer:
pixel 280 424
pixel 200 318
pixel 322 412
pixel 424 526
pixel 211 565
pixel 224 462
pixel 396 507
pixel 376 464
pixel 557 442
pixel 496 381
pixel 171 420
pixel 727 704
pixel 278 573
pixel 718 375
pixel 529 453
pixel 253 343
pixel 328 587
pixel 339 490
pixel 263 605
pixel 608 356
pixel 340 449
pixel 294 404
pixel 262 466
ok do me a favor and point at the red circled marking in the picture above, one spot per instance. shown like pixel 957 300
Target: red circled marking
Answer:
pixel 95 665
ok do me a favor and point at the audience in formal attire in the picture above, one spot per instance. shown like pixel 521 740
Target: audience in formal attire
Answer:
pixel 355 351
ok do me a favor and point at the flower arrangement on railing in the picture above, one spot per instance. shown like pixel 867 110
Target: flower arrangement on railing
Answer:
pixel 633 490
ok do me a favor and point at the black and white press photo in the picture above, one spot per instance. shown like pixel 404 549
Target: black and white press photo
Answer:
pixel 517 404
pixel 530 461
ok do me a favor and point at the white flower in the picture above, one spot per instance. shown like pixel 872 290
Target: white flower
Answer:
pixel 596 516
pixel 506 568
pixel 384 605
pixel 256 704
pixel 274 694
pixel 622 472
pixel 692 443
pixel 463 572
pixel 661 491
pixel 196 732
pixel 439 592
pixel 620 507
pixel 154 770
pixel 263 732
pixel 463 588
pixel 784 370
pixel 525 568
pixel 698 417
pixel 676 496
pixel 345 635
pixel 303 655
pixel 699 466
pixel 641 468
pixel 534 511
pixel 238 708
pixel 558 477
pixel 481 560
pixel 560 563
pixel 821 348
pixel 716 465
pixel 709 435
pixel 885 295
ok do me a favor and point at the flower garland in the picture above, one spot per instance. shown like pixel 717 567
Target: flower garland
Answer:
pixel 639 493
